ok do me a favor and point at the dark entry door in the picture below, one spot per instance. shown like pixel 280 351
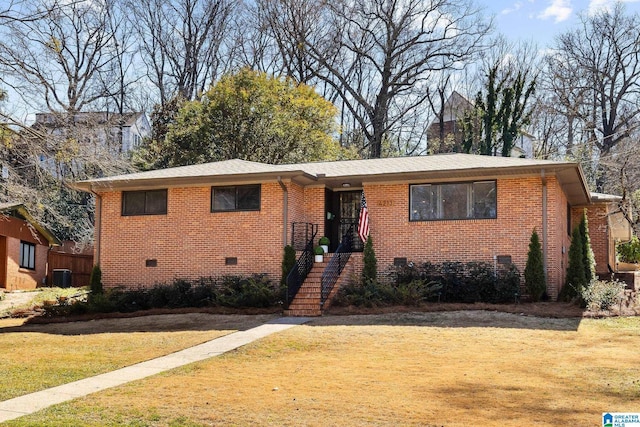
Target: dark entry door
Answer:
pixel 343 210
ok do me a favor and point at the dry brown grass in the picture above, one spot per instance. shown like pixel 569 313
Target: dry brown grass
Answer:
pixel 36 357
pixel 422 369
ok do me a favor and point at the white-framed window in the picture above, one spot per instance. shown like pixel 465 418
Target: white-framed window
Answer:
pixel 27 255
pixel 458 200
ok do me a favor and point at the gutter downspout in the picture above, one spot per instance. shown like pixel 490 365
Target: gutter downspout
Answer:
pixel 544 224
pixel 97 227
pixel 285 210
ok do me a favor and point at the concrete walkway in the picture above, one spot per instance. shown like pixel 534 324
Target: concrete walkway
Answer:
pixel 30 403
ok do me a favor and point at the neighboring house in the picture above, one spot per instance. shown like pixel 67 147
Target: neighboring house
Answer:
pixel 447 125
pixel 234 217
pixel 448 128
pixel 24 248
pixel 123 132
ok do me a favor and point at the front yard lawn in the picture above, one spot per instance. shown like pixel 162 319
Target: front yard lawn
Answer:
pixel 36 357
pixel 473 368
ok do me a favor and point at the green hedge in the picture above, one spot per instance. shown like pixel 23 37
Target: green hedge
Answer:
pixel 229 291
pixel 413 284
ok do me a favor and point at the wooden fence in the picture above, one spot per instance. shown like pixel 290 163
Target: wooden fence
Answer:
pixel 80 266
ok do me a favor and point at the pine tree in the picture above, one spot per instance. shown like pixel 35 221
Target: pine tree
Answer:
pixel 370 270
pixel 576 278
pixel 588 257
pixel 534 279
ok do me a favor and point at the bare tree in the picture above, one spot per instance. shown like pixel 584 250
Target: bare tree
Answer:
pixel 62 64
pixel 59 59
pixel 379 55
pixel 599 61
pixel 181 42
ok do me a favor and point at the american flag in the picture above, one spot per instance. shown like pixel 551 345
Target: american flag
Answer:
pixel 363 221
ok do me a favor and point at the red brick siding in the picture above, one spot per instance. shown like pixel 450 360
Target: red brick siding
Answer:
pixel 519 212
pixel 314 206
pixel 18 278
pixel 190 241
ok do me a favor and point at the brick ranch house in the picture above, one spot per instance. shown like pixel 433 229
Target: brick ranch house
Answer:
pixel 234 217
pixel 24 248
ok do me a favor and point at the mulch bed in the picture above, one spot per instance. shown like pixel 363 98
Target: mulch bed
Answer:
pixel 558 310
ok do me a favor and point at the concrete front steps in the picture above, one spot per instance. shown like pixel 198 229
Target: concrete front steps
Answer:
pixel 307 301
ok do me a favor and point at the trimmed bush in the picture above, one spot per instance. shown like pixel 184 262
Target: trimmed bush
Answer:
pixel 288 261
pixel 588 258
pixel 370 268
pixel 231 291
pixel 576 278
pixel 372 293
pixel 95 280
pixel 602 294
pixel 413 284
pixel 534 279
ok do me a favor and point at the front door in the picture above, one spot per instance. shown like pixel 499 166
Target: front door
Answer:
pixel 343 210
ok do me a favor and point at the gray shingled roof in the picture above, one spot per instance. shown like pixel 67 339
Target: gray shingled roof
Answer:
pixel 223 168
pixel 333 174
pixel 436 163
pixel 344 168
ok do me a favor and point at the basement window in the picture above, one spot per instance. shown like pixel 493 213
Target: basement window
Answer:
pixel 235 198
pixel 467 200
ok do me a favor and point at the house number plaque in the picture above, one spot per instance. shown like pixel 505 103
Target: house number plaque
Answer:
pixel 385 203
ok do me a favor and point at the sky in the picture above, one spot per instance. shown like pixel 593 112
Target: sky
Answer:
pixel 542 20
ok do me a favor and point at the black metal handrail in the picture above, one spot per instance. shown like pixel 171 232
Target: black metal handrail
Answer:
pixel 337 263
pixel 303 264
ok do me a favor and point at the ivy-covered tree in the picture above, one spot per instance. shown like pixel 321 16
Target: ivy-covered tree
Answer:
pixel 588 258
pixel 253 116
pixel 501 108
pixel 576 278
pixel 370 269
pixel 534 278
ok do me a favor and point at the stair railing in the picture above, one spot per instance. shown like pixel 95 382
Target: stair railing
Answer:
pixel 337 263
pixel 304 263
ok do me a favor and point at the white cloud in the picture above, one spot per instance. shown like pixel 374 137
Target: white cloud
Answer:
pixel 516 6
pixel 559 10
pixel 605 5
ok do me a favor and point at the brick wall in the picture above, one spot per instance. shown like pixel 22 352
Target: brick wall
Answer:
pixel 519 212
pixel 190 241
pixel 17 278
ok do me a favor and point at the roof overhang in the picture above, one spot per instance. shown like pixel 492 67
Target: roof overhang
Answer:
pixel 124 184
pixel 20 209
pixel 350 174
pixel 569 175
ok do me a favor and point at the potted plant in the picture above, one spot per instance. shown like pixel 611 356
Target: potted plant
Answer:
pixel 324 243
pixel 319 254
pixel 629 255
